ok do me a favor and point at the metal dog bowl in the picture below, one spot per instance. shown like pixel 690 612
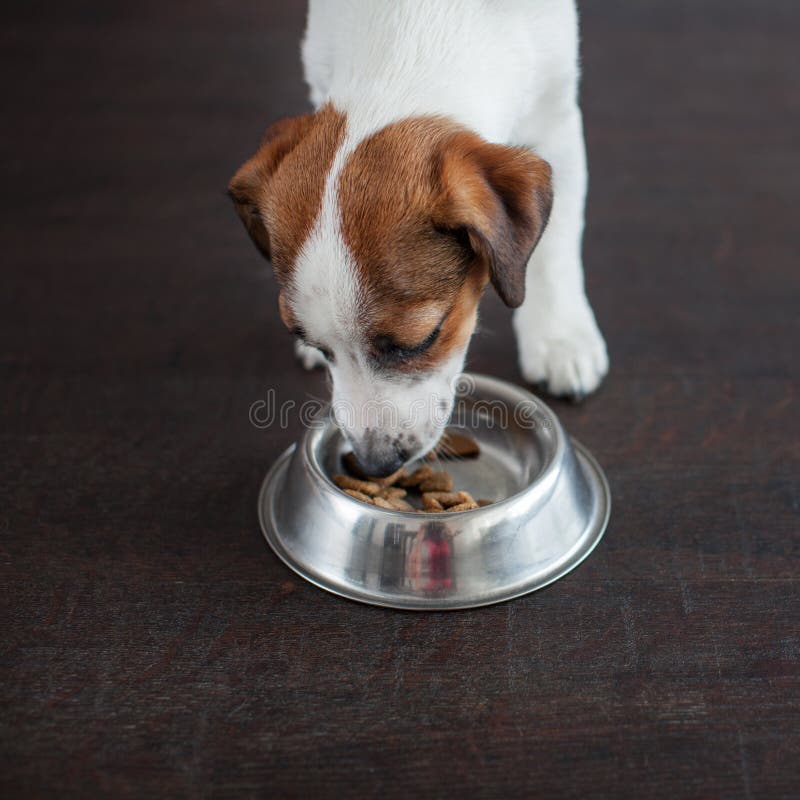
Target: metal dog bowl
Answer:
pixel 552 507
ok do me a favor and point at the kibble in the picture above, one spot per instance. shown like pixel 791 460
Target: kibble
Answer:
pixel 455 444
pixel 395 504
pixel 402 505
pixel 416 477
pixel 382 502
pixel 365 487
pixel 430 503
pixel 389 480
pixel 392 493
pixel 449 498
pixel 462 507
pixel 438 482
pixel 433 487
pixel 364 498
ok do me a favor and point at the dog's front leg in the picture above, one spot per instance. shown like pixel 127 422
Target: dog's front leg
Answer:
pixel 559 342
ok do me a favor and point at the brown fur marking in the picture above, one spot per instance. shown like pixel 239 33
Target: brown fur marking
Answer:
pixel 431 213
pixel 278 192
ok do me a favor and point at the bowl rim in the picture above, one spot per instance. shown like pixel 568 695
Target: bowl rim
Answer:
pixel 549 473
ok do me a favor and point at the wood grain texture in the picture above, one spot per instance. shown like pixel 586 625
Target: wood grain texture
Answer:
pixel 152 646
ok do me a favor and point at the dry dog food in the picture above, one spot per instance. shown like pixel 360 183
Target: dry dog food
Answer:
pixel 438 482
pixel 434 488
pixel 392 493
pixel 364 498
pixel 416 477
pixel 397 504
pixel 345 482
pixel 455 444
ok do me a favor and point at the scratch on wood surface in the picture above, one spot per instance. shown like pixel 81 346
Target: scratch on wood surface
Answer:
pixel 173 648
pixel 701 560
pixel 747 561
pixel 397 656
pixel 686 599
pixel 745 766
pixel 511 674
pixel 716 655
pixel 630 631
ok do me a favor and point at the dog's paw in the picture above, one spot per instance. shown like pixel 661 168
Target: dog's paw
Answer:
pixel 309 357
pixel 567 356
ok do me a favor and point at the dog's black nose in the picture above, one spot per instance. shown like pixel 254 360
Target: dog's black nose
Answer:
pixel 380 464
pixel 380 455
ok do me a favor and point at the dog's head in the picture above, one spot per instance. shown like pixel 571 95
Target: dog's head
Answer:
pixel 382 247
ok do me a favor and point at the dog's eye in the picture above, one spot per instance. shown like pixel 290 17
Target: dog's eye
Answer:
pixel 386 346
pixel 300 333
pixel 390 351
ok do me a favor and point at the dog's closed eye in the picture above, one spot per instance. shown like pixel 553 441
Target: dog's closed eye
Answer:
pixel 389 351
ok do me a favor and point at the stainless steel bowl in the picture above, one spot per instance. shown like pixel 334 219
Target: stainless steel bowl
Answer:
pixel 551 508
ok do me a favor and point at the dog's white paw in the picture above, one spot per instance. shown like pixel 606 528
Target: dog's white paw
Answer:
pixel 565 353
pixel 309 357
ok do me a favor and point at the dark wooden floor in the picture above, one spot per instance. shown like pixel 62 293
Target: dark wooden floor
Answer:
pixel 152 645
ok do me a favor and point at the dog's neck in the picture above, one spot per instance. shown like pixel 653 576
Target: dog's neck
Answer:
pixel 413 64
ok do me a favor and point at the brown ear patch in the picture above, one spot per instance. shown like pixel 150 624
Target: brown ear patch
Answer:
pixel 278 192
pixel 388 191
pixel 425 204
pixel 501 197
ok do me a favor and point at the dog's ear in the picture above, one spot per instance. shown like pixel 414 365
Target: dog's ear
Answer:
pixel 250 185
pixel 498 200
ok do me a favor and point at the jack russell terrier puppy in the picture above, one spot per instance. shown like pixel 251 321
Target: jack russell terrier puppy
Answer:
pixel 445 152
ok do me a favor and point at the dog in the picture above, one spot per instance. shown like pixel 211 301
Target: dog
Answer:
pixel 445 153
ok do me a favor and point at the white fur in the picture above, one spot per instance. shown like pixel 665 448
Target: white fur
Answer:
pixel 507 69
pixel 326 299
